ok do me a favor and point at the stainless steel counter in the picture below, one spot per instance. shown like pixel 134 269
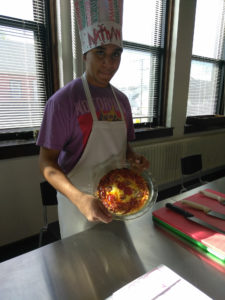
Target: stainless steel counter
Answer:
pixel 94 264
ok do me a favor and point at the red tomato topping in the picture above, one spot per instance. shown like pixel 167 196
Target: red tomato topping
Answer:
pixel 121 185
pixel 134 190
pixel 111 198
pixel 128 191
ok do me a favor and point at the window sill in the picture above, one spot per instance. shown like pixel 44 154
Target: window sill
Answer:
pixel 27 147
pixel 152 133
pixel 204 123
pixel 193 129
pixel 18 148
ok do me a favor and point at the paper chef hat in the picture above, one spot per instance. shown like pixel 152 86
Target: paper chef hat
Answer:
pixel 99 22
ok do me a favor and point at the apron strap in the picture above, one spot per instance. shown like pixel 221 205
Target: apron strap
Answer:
pixel 89 98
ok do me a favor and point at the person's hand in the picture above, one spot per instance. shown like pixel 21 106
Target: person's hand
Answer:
pixel 138 162
pixel 93 209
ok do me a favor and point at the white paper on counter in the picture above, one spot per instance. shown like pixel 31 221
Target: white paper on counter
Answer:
pixel 160 283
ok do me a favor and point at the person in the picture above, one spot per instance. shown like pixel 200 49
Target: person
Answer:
pixel 86 123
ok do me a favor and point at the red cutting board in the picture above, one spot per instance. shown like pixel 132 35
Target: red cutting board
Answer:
pixel 207 237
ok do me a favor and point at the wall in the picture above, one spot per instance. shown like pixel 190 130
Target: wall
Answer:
pixel 165 156
pixel 20 202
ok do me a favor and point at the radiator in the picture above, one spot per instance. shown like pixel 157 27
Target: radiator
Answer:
pixel 165 157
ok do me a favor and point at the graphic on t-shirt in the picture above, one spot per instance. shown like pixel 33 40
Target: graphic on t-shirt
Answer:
pixel 105 109
pixel 109 115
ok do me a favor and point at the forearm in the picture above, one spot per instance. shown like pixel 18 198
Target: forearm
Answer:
pixel 88 204
pixel 56 177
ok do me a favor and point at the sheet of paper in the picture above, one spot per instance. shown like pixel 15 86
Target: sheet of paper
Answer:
pixel 160 283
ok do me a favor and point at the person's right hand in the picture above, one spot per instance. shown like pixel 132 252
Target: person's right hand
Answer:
pixel 93 209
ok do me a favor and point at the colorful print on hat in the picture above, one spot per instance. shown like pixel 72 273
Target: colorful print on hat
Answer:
pixel 99 22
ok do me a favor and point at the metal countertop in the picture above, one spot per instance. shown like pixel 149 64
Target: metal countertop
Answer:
pixel 94 264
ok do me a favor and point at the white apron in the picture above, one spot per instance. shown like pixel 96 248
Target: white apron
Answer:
pixel 107 139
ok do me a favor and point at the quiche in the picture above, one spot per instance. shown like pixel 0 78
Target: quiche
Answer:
pixel 123 191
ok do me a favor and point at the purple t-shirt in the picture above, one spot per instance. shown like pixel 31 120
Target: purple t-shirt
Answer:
pixel 67 120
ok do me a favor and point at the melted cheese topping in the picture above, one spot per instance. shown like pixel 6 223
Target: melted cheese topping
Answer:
pixel 122 191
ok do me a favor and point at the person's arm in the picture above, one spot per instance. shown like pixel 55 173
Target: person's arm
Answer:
pixel 88 205
pixel 137 161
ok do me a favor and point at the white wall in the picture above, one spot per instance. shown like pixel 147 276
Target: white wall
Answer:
pixel 165 155
pixel 20 202
pixel 181 52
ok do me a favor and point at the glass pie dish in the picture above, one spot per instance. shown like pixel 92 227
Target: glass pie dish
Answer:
pixel 104 171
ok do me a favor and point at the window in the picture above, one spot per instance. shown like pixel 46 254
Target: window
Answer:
pixel 208 59
pixel 24 64
pixel 15 89
pixel 140 72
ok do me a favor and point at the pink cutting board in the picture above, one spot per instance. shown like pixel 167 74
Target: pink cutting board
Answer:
pixel 208 237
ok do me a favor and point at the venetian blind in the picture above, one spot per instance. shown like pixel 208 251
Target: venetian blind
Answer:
pixel 207 66
pixel 78 64
pixel 23 61
pixel 140 69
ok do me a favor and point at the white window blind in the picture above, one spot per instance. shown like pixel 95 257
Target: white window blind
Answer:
pixel 207 66
pixel 23 61
pixel 140 69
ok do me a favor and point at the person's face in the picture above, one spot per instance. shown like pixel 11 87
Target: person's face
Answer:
pixel 102 63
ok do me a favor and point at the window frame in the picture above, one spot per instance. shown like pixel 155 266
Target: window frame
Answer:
pixel 210 122
pixel 22 143
pixel 155 51
pixel 221 65
pixel 147 130
pixel 162 52
pixel 25 136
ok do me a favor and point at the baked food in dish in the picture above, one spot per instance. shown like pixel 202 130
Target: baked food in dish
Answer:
pixel 123 191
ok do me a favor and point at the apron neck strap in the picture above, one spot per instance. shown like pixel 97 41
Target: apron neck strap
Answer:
pixel 89 98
